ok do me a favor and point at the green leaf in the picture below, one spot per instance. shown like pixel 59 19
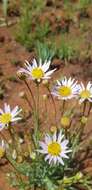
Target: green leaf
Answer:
pixel 23 168
pixel 49 184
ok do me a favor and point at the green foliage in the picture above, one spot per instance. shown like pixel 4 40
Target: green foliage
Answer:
pixel 42 31
pixel 38 5
pixel 84 3
pixel 16 181
pixel 66 52
pixel 75 141
pixel 5 7
pixel 24 28
pixel 22 168
pixel 42 175
pixel 45 51
pixel 39 172
pixel 29 12
pixel 78 179
pixel 51 177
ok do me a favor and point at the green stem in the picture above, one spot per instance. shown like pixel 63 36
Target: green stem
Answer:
pixel 36 117
pixel 26 98
pixel 4 138
pixel 84 107
pixel 30 92
pixel 15 140
pixel 63 106
pixel 90 106
pixel 54 105
pixel 66 133
pixel 37 108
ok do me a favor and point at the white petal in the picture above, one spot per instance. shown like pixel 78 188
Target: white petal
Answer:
pixel 48 139
pixel 55 159
pixel 67 151
pixel 50 159
pixel 60 160
pixel 6 108
pixel 60 137
pixel 1 111
pixel 89 85
pixel 40 63
pixel 16 119
pixel 1 127
pixel 34 62
pixel 42 151
pixel 22 70
pixel 43 145
pixel 28 66
pixel 46 66
pixel 62 154
pixel 49 72
pixel 55 137
pixel 64 143
pixel 47 157
pixel 16 111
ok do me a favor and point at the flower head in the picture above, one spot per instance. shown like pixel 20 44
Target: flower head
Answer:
pixel 54 148
pixel 2 148
pixel 7 116
pixel 37 71
pixel 65 121
pixel 85 93
pixel 66 88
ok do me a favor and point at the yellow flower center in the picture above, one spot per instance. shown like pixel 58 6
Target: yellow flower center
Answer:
pixel 54 149
pixel 5 118
pixel 65 121
pixel 85 94
pixel 37 73
pixel 2 152
pixel 65 91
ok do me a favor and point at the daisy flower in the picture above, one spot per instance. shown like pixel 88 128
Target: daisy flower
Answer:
pixel 66 88
pixel 85 93
pixel 2 148
pixel 7 115
pixel 54 148
pixel 37 71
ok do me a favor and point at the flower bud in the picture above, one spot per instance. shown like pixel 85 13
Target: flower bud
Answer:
pixel 53 129
pixel 33 155
pixel 21 141
pixel 84 120
pixel 19 159
pixel 22 94
pixel 79 175
pixel 45 96
pixel 2 152
pixel 2 149
pixel 26 154
pixel 65 121
pixel 14 154
pixel 21 76
pixel 45 82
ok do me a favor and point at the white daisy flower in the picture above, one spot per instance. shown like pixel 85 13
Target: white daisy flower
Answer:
pixel 85 93
pixel 55 148
pixel 37 71
pixel 2 148
pixel 7 116
pixel 66 88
